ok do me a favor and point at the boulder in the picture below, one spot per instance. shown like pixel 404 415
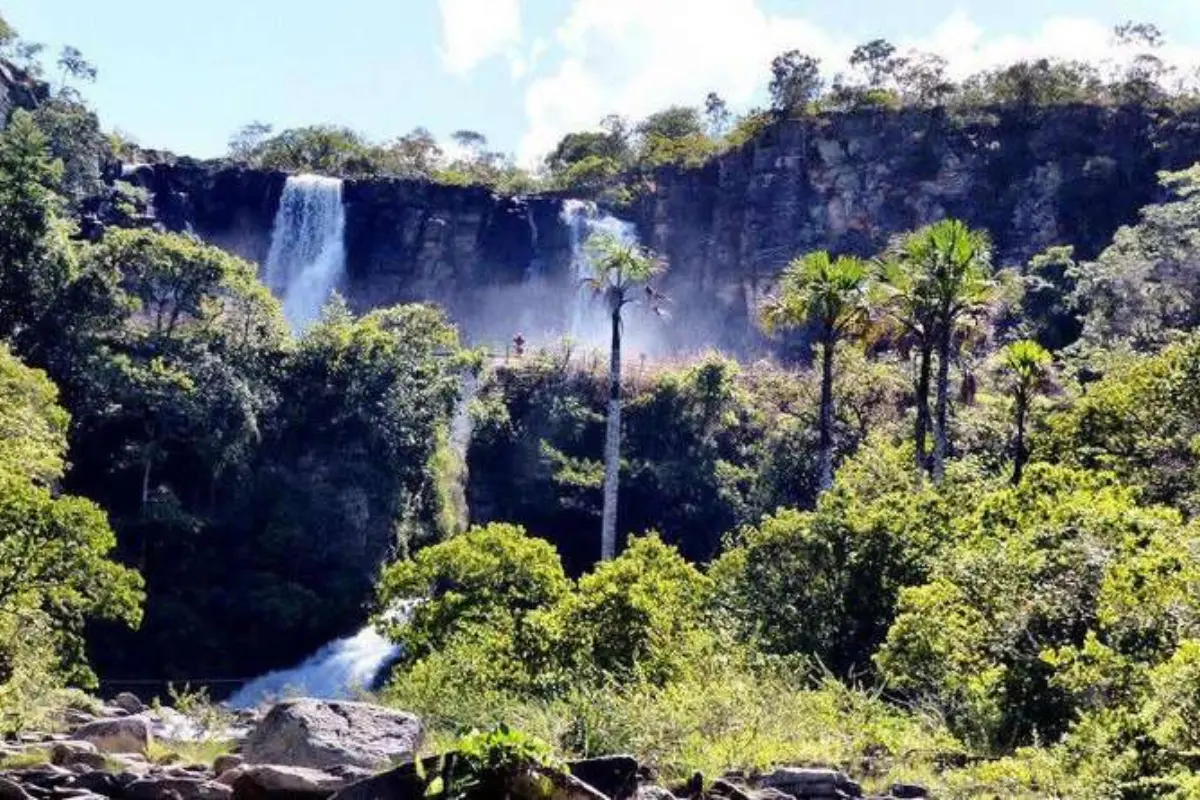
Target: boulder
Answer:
pixel 222 764
pixel 405 782
pixel 321 734
pixel 908 791
pixel 277 782
pixel 810 782
pixel 615 776
pixel 165 787
pixel 11 790
pixel 123 735
pixel 129 702
pixel 653 793
pixel 68 753
pixel 102 783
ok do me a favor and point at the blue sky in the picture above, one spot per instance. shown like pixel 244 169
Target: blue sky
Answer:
pixel 185 75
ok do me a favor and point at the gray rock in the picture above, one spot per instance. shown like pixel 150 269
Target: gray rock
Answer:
pixel 129 702
pixel 320 734
pixel 11 790
pixel 653 793
pixel 156 787
pixel 287 783
pixel 222 764
pixel 615 776
pixel 70 752
pixel 408 781
pixel 908 791
pixel 124 735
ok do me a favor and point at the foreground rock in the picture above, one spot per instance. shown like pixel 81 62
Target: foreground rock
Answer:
pixel 264 781
pixel 116 735
pixel 321 734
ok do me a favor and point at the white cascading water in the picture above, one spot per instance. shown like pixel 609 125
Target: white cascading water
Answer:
pixel 337 671
pixel 308 252
pixel 588 323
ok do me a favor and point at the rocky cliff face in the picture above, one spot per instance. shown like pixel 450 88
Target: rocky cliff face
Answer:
pixel 494 262
pixel 847 182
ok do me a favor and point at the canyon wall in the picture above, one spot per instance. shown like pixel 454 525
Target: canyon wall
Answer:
pixel 847 182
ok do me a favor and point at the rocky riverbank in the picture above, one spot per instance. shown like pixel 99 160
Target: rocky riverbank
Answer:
pixel 306 749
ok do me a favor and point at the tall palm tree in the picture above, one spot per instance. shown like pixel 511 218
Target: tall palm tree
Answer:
pixel 621 274
pixel 831 294
pixel 1027 364
pixel 903 298
pixel 951 267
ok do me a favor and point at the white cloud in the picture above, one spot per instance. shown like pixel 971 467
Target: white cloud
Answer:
pixel 476 30
pixel 634 57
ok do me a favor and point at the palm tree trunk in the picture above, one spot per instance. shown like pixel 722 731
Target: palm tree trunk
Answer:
pixel 1020 456
pixel 922 431
pixel 825 464
pixel 941 437
pixel 612 445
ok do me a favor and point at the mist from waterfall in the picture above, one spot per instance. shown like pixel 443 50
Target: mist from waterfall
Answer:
pixel 307 259
pixel 588 323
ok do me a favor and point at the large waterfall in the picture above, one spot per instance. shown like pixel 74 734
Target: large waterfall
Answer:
pixel 308 252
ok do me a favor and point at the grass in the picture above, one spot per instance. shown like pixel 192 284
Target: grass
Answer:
pixel 202 751
pixel 31 757
pixel 718 718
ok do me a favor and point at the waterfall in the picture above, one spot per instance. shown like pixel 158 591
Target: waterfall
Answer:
pixel 588 322
pixel 335 672
pixel 308 253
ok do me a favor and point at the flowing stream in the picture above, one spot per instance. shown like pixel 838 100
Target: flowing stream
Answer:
pixel 337 671
pixel 307 259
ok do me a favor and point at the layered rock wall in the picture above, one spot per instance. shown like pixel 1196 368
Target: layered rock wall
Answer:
pixel 847 182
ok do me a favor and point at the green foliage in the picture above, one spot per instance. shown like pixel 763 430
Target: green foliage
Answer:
pixel 826 583
pixel 1142 290
pixel 995 638
pixel 1138 421
pixel 493 760
pixel 643 615
pixel 55 570
pixel 795 81
pixel 486 573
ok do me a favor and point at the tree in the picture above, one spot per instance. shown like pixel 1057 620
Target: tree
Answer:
pixel 795 81
pixel 471 141
pixel 74 65
pixel 619 271
pixel 1027 364
pixel 34 260
pixel 909 311
pixel 415 154
pixel 831 294
pixel 716 112
pixel 953 271
pixel 877 61
pixel 921 79
pixel 54 547
pixel 244 145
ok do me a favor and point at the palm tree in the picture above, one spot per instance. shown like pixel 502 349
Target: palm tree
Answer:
pixel 831 295
pixel 1028 366
pixel 621 274
pixel 951 269
pixel 905 305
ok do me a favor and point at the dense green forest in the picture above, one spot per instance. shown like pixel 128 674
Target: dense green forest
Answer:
pixel 953 543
